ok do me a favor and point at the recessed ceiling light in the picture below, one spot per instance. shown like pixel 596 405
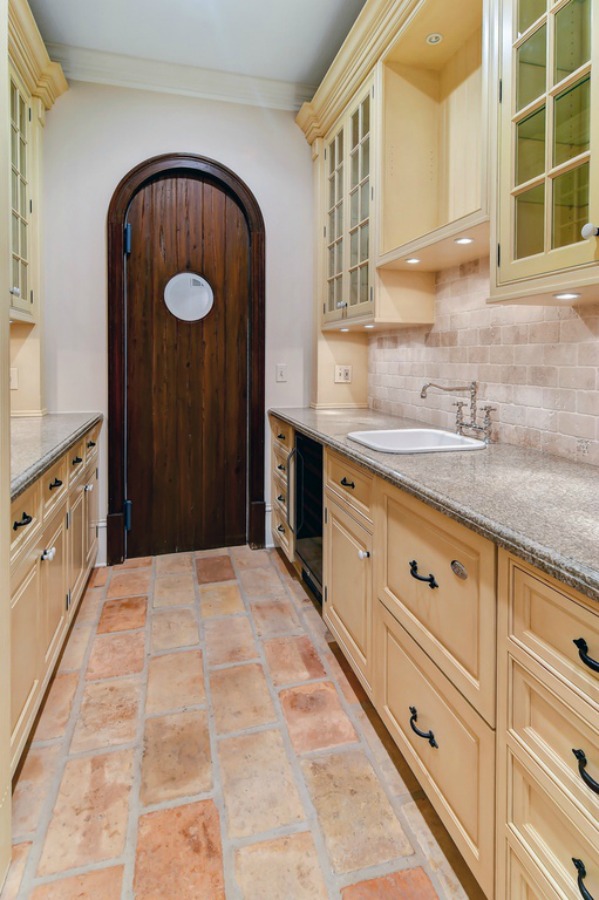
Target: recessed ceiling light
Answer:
pixel 413 260
pixel 369 326
pixel 434 38
pixel 344 329
pixel 464 240
pixel 567 295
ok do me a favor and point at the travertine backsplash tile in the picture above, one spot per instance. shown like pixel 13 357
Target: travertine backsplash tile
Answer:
pixel 539 366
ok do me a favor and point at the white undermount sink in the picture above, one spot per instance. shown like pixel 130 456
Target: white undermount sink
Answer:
pixel 415 440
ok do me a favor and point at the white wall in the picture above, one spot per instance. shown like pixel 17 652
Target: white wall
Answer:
pixel 94 135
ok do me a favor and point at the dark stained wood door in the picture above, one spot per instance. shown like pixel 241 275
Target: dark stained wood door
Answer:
pixel 186 394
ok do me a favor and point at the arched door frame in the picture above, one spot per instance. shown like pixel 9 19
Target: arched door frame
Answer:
pixel 156 167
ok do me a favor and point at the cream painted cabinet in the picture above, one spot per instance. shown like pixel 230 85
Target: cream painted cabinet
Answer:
pixel 281 485
pixel 347 607
pixel 347 207
pixel 548 173
pixel 548 736
pixel 53 523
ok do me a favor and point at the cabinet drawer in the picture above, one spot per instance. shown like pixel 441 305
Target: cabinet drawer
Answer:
pixel 281 532
pixel 452 616
pixel 76 461
pixel 279 491
pixel 282 433
pixel 550 730
pixel 25 518
pixel 550 834
pixel 351 482
pixel 545 619
pixel 526 882
pixel 54 487
pixel 280 462
pixel 90 442
pixel 459 772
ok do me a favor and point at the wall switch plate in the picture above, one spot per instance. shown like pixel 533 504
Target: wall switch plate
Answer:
pixel 281 372
pixel 14 378
pixel 343 374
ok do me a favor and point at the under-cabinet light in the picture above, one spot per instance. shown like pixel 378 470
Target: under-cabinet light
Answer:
pixel 434 38
pixel 344 329
pixel 413 260
pixel 369 326
pixel 464 240
pixel 567 296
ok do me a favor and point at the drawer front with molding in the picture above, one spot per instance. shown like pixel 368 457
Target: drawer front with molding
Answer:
pixel 552 833
pixel 54 487
pixel 280 462
pixel 439 579
pixel 279 491
pixel 562 736
pixel 454 754
pixel 282 433
pixel 76 461
pixel 350 482
pixel 25 518
pixel 526 882
pixel 90 443
pixel 281 531
pixel 546 621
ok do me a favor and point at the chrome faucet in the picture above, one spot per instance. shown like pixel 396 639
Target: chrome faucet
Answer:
pixel 460 424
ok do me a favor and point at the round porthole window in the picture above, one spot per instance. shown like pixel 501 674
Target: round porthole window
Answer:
pixel 188 296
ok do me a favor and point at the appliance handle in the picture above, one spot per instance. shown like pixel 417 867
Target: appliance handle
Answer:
pixel 292 504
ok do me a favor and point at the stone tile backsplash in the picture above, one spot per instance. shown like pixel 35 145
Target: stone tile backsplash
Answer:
pixel 538 365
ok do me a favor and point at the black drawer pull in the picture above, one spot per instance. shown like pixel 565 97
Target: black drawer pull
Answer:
pixel 25 520
pixel 77 460
pixel 429 579
pixel 582 764
pixel 582 874
pixel 281 498
pixel 281 529
pixel 427 735
pixel 281 437
pixel 583 652
pixel 91 444
pixel 54 484
pixel 346 483
pixel 281 467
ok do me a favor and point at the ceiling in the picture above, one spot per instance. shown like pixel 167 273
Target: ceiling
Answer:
pixel 291 41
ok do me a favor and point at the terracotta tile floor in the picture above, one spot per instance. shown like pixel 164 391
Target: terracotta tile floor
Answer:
pixel 203 738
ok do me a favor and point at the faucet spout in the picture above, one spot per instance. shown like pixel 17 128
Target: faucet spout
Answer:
pixel 454 387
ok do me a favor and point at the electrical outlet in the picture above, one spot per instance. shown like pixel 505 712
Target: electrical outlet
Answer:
pixel 343 374
pixel 281 372
pixel 14 378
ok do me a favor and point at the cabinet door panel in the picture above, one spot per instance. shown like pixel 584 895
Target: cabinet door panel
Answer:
pixel 25 663
pixel 77 538
pixel 54 570
pixel 348 597
pixel 90 514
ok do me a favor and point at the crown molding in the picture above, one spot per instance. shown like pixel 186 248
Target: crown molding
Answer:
pixel 374 30
pixel 27 51
pixel 95 66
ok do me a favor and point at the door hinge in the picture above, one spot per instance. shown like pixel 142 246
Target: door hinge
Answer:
pixel 324 309
pixel 373 92
pixel 501 90
pixel 127 232
pixel 326 515
pixel 29 114
pixel 324 230
pixel 68 601
pixel 31 296
pixel 371 294
pixel 498 255
pixel 326 593
pixel 325 152
pixel 68 520
pixel 31 206
pixel 127 510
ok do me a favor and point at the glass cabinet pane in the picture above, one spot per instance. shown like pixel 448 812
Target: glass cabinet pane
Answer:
pixel 15 233
pixel 355 128
pixel 364 200
pixel 355 167
pixel 353 287
pixel 364 243
pixel 528 12
pixel 365 116
pixel 24 287
pixel 572 122
pixel 365 159
pixel 16 273
pixel 364 284
pixel 572 37
pixel 331 149
pixel 530 149
pixel 355 208
pixel 353 248
pixel 532 67
pixel 570 206
pixel 530 222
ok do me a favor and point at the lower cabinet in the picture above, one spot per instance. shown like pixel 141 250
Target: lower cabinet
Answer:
pixel 54 551
pixel 450 748
pixel 347 607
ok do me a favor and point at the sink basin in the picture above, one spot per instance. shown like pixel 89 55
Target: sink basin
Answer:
pixel 415 440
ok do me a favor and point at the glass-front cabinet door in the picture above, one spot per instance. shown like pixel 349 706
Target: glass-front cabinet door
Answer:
pixel 549 141
pixel 348 204
pixel 20 117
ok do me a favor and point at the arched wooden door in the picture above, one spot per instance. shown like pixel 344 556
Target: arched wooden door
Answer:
pixel 186 397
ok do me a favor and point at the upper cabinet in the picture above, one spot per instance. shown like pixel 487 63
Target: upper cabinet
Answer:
pixel 35 83
pixel 548 175
pixel 434 82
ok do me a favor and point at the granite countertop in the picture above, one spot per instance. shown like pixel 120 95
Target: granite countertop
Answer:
pixel 543 508
pixel 38 441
